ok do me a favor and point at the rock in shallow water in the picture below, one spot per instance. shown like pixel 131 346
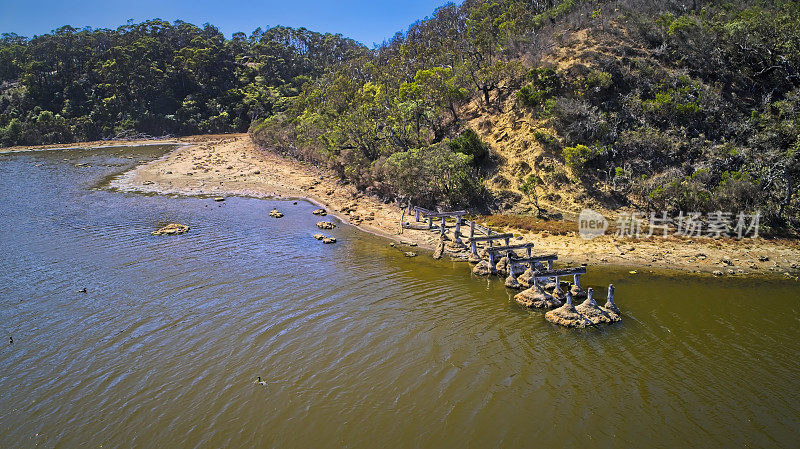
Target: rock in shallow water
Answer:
pixel 526 278
pixel 482 268
pixel 328 240
pixel 172 229
pixel 536 297
pixel 319 236
pixel 591 311
pixel 325 225
pixel 577 291
pixel 567 316
pixel 320 212
pixel 512 282
pixel 275 214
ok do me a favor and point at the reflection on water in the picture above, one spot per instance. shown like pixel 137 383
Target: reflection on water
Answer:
pixel 360 346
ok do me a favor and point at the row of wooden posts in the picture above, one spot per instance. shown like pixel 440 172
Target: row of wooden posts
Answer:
pixel 478 233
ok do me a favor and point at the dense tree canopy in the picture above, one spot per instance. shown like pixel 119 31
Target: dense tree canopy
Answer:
pixel 153 78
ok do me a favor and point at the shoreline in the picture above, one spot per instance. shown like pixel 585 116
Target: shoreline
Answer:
pixel 232 165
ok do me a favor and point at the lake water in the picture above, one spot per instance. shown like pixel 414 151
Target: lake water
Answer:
pixel 360 346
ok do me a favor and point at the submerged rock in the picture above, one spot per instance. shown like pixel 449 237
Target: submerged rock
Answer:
pixel 536 297
pixel 328 240
pixel 172 229
pixel 319 236
pixel 325 225
pixel 320 212
pixel 275 214
pixel 410 254
pixel 566 315
pixel 526 278
pixel 482 268
pixel 512 282
pixel 592 311
pixel 474 258
pixel 502 265
pixel 219 198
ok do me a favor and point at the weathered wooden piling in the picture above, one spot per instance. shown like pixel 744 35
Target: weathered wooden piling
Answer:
pixel 576 289
pixel 566 315
pixel 526 279
pixel 557 274
pixel 489 238
pixel 443 215
pixel 610 308
pixel 536 297
pixel 587 313
pixel 592 311
pixel 528 247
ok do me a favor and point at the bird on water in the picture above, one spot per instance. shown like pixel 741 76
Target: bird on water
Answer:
pixel 261 382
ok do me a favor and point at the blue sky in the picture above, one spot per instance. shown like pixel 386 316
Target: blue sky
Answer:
pixel 366 21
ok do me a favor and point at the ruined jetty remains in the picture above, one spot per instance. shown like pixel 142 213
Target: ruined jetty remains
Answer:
pixel 542 284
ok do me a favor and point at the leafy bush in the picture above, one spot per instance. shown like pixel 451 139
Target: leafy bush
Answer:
pixel 579 157
pixel 433 175
pixel 544 83
pixel 530 96
pixel 470 144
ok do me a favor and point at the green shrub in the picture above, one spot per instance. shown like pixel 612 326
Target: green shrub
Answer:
pixel 470 144
pixel 433 176
pixel 529 96
pixel 544 83
pixel 579 157
pixel 674 105
pixel 599 80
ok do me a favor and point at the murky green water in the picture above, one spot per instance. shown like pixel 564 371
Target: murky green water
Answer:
pixel 360 346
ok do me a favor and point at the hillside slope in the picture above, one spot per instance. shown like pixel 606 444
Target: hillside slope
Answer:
pixel 618 106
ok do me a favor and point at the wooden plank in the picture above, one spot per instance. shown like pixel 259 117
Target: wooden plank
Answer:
pixel 511 247
pixel 491 237
pixel 423 210
pixel 561 272
pixel 418 227
pixel 542 258
pixel 478 227
pixel 457 213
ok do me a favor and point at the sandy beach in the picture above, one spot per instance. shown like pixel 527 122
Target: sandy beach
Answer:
pixel 221 165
